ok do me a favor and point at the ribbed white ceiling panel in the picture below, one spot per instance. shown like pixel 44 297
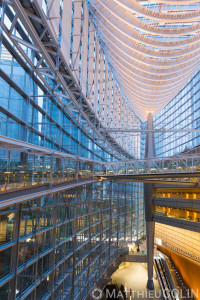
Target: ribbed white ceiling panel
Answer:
pixel 152 47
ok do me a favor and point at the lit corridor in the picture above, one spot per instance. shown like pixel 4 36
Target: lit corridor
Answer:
pixel 134 276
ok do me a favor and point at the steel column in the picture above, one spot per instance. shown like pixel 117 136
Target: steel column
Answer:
pixel 148 200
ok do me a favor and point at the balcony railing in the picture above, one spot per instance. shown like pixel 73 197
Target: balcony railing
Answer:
pixel 23 165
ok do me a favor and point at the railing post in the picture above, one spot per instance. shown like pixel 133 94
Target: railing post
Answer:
pixel 51 171
pixel 93 169
pixel 192 165
pixel 77 168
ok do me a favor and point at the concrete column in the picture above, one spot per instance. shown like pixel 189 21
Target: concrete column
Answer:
pixel 149 208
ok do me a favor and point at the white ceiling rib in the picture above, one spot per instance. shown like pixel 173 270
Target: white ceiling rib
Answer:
pixel 153 47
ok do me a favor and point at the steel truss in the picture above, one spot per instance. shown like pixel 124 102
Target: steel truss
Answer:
pixel 163 165
pixel 51 65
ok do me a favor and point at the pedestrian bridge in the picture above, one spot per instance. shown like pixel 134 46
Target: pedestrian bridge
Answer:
pixel 163 167
pixel 46 170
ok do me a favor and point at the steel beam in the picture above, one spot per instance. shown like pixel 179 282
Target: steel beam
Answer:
pixel 121 130
pixel 59 78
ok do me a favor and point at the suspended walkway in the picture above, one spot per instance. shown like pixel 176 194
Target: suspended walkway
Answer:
pixel 36 171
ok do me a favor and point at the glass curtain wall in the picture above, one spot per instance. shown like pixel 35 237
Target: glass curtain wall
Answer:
pixel 63 243
pixel 181 113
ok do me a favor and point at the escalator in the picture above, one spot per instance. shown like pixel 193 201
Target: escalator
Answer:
pixel 166 288
pixel 172 287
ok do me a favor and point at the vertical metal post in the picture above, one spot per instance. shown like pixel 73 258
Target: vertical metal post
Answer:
pixel 77 168
pixel 101 246
pixel 90 187
pixel 93 170
pixel 148 200
pixel 53 243
pixel 2 8
pixel 51 171
pixel 110 216
pixel 8 161
pixel 137 213
pixel 15 255
pixel 72 296
pixel 192 165
pixel 118 210
pixel 125 212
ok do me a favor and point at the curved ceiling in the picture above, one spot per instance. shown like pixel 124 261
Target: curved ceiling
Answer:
pixel 153 47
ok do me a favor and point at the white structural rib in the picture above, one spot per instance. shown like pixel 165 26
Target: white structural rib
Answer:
pixel 153 47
